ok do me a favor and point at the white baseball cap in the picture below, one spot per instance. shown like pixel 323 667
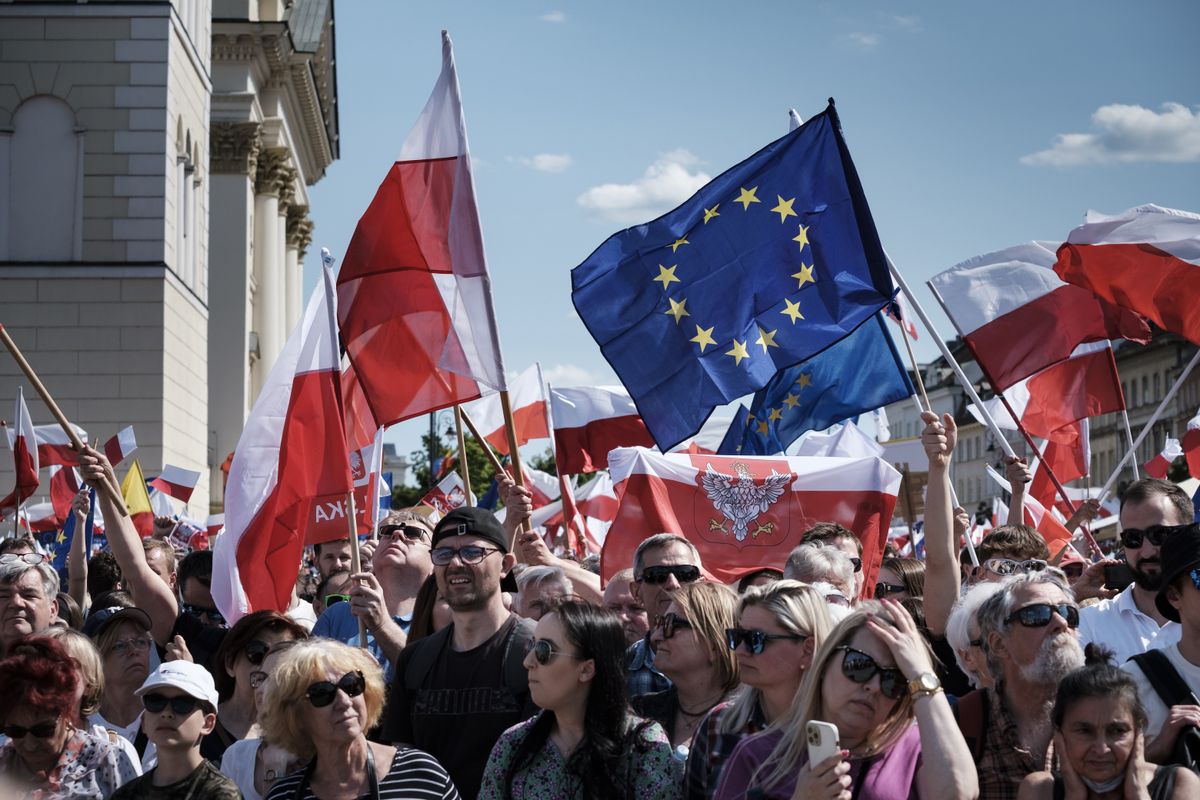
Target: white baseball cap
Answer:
pixel 185 676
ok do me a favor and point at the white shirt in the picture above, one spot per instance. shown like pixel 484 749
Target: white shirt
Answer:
pixel 129 733
pixel 1120 626
pixel 303 614
pixel 238 765
pixel 1156 709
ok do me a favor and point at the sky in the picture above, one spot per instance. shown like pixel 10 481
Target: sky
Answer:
pixel 973 126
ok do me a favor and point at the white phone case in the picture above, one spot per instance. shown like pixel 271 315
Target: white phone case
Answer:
pixel 822 741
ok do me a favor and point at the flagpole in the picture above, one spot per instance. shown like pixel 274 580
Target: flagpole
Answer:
pixel 1148 426
pixel 967 536
pixel 355 559
pixel 61 418
pixel 462 450
pixel 1129 438
pixel 487 448
pixel 912 359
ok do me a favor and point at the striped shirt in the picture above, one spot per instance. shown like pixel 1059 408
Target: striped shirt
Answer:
pixel 413 775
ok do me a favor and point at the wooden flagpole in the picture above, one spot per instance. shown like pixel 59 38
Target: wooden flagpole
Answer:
pixel 487 448
pixel 462 451
pixel 355 558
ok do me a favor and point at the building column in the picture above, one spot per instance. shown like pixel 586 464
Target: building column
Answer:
pixel 287 198
pixel 299 235
pixel 268 261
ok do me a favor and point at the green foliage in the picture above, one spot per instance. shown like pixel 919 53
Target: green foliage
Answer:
pixel 478 465
pixel 545 462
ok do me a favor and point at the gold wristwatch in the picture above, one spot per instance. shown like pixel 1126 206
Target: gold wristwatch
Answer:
pixel 924 685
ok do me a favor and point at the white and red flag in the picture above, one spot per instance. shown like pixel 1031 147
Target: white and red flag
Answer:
pixel 39 518
pixel 414 296
pixel 1160 465
pixel 121 446
pixel 53 444
pixel 745 513
pixel 213 525
pixel 1019 317
pixel 449 494
pixel 1191 446
pixel 597 498
pixel 1145 259
pixel 1037 516
pixel 589 421
pixel 64 485
pixel 527 399
pixel 290 474
pixel 177 482
pixel 23 443
pixel 545 487
pixel 1066 456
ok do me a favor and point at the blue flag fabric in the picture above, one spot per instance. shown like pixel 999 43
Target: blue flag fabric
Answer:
pixel 58 543
pixel 747 437
pixel 491 498
pixel 769 264
pixel 860 373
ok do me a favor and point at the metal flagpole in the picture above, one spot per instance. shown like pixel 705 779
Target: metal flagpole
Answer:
pixel 1129 437
pixel 462 451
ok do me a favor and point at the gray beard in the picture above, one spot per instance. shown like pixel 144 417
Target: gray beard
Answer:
pixel 1055 659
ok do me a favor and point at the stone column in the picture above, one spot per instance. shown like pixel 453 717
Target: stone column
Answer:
pixel 287 199
pixel 268 260
pixel 299 235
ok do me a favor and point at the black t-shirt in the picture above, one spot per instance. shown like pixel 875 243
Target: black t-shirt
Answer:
pixel 461 707
pixel 953 679
pixel 202 639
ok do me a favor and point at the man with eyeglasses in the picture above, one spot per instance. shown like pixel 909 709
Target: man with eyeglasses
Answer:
pixel 1131 622
pixel 384 597
pixel 457 690
pixel 28 597
pixel 662 563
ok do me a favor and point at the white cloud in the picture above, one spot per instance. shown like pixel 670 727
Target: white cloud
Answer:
pixel 574 375
pixel 867 41
pixel 911 23
pixel 665 184
pixel 1125 133
pixel 546 162
pixel 553 16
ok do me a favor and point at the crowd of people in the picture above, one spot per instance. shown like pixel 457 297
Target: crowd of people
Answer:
pixel 466 659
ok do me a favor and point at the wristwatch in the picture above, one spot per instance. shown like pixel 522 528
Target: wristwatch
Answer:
pixel 924 685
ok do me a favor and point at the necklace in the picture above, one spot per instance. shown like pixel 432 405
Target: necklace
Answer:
pixel 702 711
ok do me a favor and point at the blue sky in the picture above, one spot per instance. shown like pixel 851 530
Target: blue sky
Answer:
pixel 973 126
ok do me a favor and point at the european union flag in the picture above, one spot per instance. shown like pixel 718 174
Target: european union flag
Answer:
pixel 747 436
pixel 769 264
pixel 860 373
pixel 58 543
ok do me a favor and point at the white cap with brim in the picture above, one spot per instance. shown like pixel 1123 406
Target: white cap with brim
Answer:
pixel 185 676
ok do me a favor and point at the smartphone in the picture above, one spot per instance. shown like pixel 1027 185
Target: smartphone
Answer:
pixel 1117 576
pixel 822 741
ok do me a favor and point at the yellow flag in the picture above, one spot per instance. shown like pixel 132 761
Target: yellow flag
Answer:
pixel 137 500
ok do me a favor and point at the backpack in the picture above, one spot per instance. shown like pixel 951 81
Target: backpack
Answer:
pixel 971 712
pixel 1173 691
pixel 515 678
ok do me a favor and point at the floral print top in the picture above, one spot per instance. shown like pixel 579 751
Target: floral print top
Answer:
pixel 90 766
pixel 647 762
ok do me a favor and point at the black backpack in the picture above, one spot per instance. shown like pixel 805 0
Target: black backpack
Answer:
pixel 516 677
pixel 1173 691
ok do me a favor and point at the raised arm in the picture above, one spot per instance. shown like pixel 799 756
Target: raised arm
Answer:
pixel 77 566
pixel 1017 472
pixel 531 549
pixel 941 550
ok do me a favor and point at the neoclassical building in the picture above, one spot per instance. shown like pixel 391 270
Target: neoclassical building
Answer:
pixel 154 164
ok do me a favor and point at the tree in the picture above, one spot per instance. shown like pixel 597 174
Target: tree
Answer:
pixel 545 462
pixel 479 467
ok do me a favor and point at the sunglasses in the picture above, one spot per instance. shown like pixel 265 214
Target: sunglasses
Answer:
pixel 471 554
pixel 684 573
pixel 756 641
pixel 213 615
pixel 334 599
pixel 543 650
pixel 257 679
pixel 1039 615
pixel 1007 566
pixel 882 590
pixel 256 651
pixel 857 562
pixel 32 559
pixel 42 730
pixel 321 694
pixel 410 533
pixel 860 668
pixel 1133 538
pixel 670 623
pixel 181 705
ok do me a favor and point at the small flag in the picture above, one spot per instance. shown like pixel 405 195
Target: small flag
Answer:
pixel 25 457
pixel 137 500
pixel 121 446
pixel 1191 446
pixel 448 495
pixel 528 403
pixel 1158 466
pixel 53 444
pixel 177 482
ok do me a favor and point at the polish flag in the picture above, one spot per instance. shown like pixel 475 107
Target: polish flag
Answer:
pixel 898 312
pixel 121 446
pixel 415 302
pixel 213 525
pixel 1037 516
pixel 1146 259
pixel 177 482
pixel 597 498
pixel 745 513
pixel 448 495
pixel 544 486
pixel 1019 317
pixel 64 485
pixel 23 443
pixel 1067 456
pixel 1158 466
pixel 1191 446
pixel 528 403
pixel 39 518
pixel 360 422
pixel 368 483
pixel 290 476
pixel 53 444
pixel 591 421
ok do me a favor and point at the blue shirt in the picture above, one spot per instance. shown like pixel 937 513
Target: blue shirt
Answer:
pixel 339 623
pixel 640 673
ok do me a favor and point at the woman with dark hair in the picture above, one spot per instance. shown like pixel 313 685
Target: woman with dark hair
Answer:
pixel 240 654
pixel 586 742
pixel 430 612
pixel 900 579
pixel 46 754
pixel 1099 738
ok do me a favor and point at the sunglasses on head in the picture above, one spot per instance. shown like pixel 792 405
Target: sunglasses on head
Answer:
pixel 42 730
pixel 411 533
pixel 321 693
pixel 684 573
pixel 471 554
pixel 32 559
pixel 1133 538
pixel 181 705
pixel 755 640
pixel 256 651
pixel 670 623
pixel 1007 566
pixel 1039 615
pixel 882 590
pixel 543 650
pixel 334 599
pixel 860 668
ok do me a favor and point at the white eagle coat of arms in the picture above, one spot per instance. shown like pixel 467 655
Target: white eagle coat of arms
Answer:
pixel 740 499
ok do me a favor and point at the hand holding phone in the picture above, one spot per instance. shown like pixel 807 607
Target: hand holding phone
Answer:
pixel 822 741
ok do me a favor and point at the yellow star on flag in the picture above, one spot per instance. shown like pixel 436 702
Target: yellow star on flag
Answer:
pixel 747 197
pixel 766 339
pixel 62 537
pixel 792 310
pixel 784 209
pixel 709 213
pixel 678 243
pixel 804 275
pixel 750 420
pixel 667 275
pixel 801 237
pixel 776 415
pixel 677 309
pixel 804 381
pixel 738 352
pixel 703 337
pixel 791 401
pixel 762 428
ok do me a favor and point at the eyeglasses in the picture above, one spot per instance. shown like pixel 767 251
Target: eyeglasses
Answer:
pixel 257 679
pixel 334 599
pixel 543 650
pixel 860 668
pixel 976 643
pixel 42 730
pixel 1133 538
pixel 756 641
pixel 857 562
pixel 213 615
pixel 32 559
pixel 670 623
pixel 1039 615
pixel 181 705
pixel 882 590
pixel 256 651
pixel 411 533
pixel 321 694
pixel 471 554
pixel 838 600
pixel 137 644
pixel 1007 566
pixel 684 573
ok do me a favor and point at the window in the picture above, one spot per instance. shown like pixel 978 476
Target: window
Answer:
pixel 1145 389
pixel 1157 387
pixel 42 203
pixel 187 194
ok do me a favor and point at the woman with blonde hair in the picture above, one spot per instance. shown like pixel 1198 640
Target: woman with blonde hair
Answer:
pixel 871 679
pixel 320 702
pixel 780 626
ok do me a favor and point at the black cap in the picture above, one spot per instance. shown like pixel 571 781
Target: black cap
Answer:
pixel 473 521
pixel 98 621
pixel 1182 551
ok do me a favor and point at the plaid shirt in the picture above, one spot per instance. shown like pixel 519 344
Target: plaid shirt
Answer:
pixel 640 673
pixel 1005 761
pixel 711 749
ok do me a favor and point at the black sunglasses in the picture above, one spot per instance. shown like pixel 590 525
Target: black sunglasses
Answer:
pixel 543 650
pixel 670 623
pixel 321 694
pixel 412 533
pixel 181 705
pixel 1039 615
pixel 882 590
pixel 214 615
pixel 256 651
pixel 1133 538
pixel 755 640
pixel 42 730
pixel 860 668
pixel 684 573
